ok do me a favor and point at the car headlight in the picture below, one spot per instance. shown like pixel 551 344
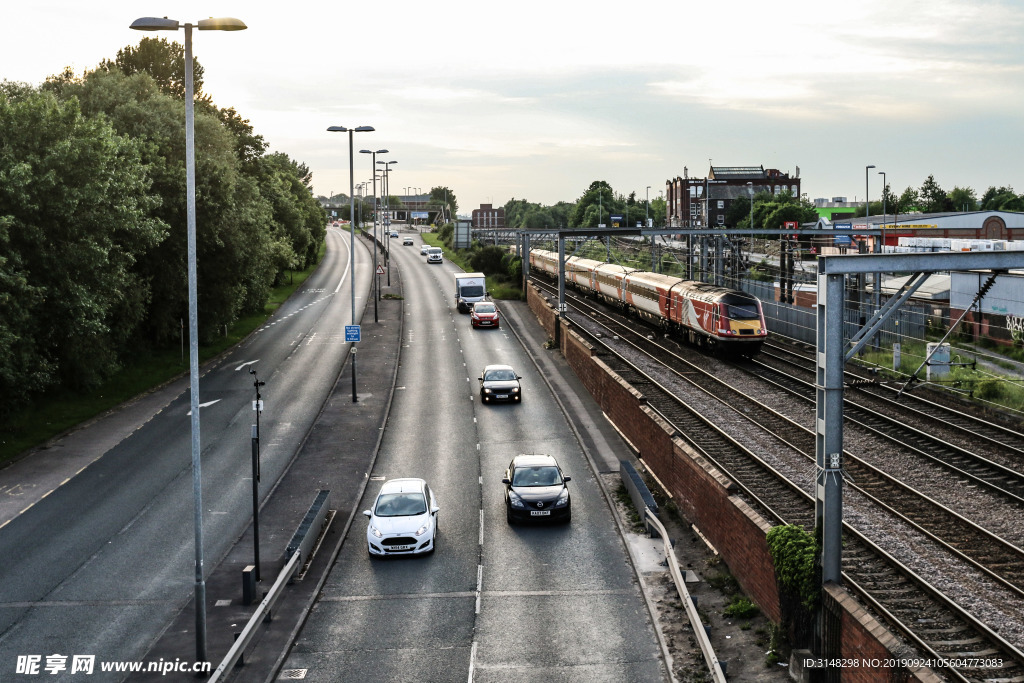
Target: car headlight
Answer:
pixel 486 390
pixel 423 529
pixel 375 531
pixel 515 390
pixel 515 501
pixel 563 498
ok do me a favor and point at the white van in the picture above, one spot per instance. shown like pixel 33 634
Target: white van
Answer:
pixel 434 255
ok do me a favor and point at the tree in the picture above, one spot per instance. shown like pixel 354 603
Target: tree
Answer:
pixel 69 275
pixel 442 200
pixel 1001 199
pixel 933 198
pixel 907 202
pixel 163 60
pixel 963 199
pixel 595 206
pixel 738 212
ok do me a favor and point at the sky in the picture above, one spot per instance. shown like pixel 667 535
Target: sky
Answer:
pixel 536 100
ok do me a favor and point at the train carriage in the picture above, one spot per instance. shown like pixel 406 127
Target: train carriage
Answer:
pixel 706 315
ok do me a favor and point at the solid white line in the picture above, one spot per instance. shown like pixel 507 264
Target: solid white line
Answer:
pixel 481 527
pixel 472 661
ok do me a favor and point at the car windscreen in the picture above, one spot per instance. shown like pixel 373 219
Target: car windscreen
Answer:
pixel 484 308
pixel 434 250
pixel 541 475
pixel 400 505
pixel 499 375
pixel 472 290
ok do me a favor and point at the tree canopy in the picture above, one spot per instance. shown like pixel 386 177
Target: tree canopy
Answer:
pixel 93 219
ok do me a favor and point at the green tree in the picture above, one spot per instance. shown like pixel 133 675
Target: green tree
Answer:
pixel 69 271
pixel 933 197
pixel 161 59
pixel 908 201
pixel 595 206
pixel 739 212
pixel 963 199
pixel 442 199
pixel 1002 199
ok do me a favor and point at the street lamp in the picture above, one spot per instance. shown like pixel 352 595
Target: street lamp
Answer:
pixel 387 213
pixel 884 207
pixel 211 24
pixel 352 232
pixel 376 293
pixel 867 199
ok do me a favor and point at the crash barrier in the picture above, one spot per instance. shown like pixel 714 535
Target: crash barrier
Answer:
pixel 309 530
pixel 638 491
pixel 296 555
pixel 716 667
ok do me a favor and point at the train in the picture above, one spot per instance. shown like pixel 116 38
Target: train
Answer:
pixel 722 320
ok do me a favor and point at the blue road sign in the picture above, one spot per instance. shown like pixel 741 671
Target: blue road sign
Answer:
pixel 843 240
pixel 351 333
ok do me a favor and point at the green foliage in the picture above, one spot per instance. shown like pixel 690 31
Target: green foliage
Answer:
pixel 93 219
pixel 741 607
pixel 489 260
pixel 795 554
pixel 1002 199
pixel 933 197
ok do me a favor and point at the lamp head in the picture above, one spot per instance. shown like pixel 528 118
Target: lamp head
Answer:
pixel 155 24
pixel 222 24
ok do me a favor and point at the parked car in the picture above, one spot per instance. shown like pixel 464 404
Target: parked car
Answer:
pixel 407 242
pixel 403 519
pixel 484 314
pixel 500 383
pixel 435 255
pixel 536 489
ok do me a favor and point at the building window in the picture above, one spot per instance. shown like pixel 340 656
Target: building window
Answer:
pixel 721 219
pixel 721 204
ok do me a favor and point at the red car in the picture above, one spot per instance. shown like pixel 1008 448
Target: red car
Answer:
pixel 484 314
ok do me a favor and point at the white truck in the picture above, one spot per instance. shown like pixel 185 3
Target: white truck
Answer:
pixel 469 288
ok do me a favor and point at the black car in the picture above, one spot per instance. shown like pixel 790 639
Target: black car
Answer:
pixel 500 383
pixel 535 489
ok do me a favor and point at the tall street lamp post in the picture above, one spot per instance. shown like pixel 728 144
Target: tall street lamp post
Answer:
pixel 376 288
pixel 352 232
pixel 386 193
pixel 211 24
pixel 885 209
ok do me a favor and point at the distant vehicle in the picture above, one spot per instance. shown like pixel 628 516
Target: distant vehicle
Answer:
pixel 535 489
pixel 469 288
pixel 394 233
pixel 403 519
pixel 435 255
pixel 424 249
pixel 407 242
pixel 484 314
pixel 500 383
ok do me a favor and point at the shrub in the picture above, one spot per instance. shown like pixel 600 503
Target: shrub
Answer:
pixel 741 608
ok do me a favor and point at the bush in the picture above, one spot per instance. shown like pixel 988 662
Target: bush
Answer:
pixel 489 260
pixel 741 608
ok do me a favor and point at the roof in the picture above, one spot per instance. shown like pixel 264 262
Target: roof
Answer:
pixel 529 459
pixel 407 485
pixel 725 172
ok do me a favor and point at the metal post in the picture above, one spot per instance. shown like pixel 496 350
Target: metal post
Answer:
pixel 828 507
pixel 257 406
pixel 193 344
pixel 352 249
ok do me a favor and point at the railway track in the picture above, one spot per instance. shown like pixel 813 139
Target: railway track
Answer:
pixel 935 624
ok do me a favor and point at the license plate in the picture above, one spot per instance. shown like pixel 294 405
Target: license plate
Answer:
pixel 540 513
pixel 399 547
pixel 501 396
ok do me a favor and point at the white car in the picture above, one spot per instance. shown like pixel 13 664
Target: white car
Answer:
pixel 424 249
pixel 407 242
pixel 403 520
pixel 435 255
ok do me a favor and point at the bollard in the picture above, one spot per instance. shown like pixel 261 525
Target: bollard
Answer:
pixel 249 585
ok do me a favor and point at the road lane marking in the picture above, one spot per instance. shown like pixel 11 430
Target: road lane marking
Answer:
pixel 249 363
pixel 479 585
pixel 203 405
pixel 481 527
pixel 472 661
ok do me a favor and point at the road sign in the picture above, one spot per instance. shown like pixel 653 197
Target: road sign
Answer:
pixel 351 333
pixel 843 240
pixel 380 269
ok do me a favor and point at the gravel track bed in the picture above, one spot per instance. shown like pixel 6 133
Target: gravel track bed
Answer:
pixel 988 601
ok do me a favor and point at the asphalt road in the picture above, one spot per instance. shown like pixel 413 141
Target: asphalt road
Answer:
pixel 99 562
pixel 494 602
